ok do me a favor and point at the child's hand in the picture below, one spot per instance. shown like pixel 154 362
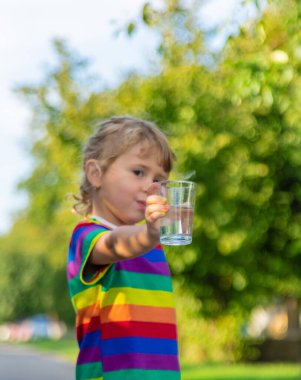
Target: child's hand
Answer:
pixel 156 208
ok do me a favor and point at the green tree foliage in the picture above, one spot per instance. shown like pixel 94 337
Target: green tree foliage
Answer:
pixel 248 160
pixel 177 24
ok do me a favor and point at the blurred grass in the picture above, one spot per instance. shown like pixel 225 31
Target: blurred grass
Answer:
pixel 242 372
pixel 67 349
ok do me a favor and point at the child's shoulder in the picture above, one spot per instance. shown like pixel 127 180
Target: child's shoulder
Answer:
pixel 89 224
pixel 85 230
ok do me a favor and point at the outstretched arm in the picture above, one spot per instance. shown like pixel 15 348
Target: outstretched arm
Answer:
pixel 127 242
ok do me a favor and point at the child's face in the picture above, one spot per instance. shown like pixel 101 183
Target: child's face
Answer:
pixel 123 191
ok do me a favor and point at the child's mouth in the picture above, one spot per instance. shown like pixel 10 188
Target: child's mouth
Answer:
pixel 141 204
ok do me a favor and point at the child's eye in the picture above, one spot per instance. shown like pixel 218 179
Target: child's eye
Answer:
pixel 159 179
pixel 138 173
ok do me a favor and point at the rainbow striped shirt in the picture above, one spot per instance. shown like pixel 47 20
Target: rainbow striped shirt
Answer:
pixel 125 315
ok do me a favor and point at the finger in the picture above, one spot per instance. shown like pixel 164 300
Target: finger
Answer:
pixel 156 208
pixel 154 189
pixel 156 199
pixel 154 212
pixel 154 216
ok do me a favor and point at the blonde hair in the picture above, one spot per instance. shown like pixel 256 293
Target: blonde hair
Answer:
pixel 114 137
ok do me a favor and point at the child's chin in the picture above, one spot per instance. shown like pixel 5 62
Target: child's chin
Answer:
pixel 135 219
pixel 140 221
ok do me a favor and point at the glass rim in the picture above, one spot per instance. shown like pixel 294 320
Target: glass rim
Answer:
pixel 176 181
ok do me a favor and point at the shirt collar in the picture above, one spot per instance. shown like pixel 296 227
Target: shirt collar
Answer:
pixel 102 220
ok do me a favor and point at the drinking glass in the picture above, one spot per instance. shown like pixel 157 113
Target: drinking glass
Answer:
pixel 176 225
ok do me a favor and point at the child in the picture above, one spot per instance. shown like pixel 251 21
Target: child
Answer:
pixel 118 277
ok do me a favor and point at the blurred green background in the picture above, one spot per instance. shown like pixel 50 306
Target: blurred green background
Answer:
pixel 233 117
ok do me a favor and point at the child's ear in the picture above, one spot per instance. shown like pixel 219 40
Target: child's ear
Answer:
pixel 93 173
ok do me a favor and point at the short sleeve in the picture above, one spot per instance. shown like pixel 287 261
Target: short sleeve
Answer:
pixel 83 240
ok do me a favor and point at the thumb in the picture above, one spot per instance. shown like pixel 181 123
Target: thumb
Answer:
pixel 155 188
